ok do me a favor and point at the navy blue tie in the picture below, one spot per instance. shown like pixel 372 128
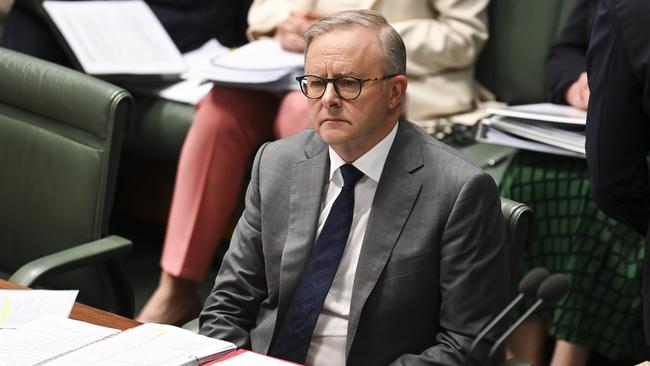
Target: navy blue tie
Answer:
pixel 294 337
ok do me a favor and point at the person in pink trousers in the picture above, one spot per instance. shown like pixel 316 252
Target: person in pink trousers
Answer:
pixel 443 39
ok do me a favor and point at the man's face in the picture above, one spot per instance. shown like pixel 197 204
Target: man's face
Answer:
pixel 350 127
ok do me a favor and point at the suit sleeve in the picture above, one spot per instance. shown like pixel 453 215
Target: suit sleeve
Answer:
pixel 474 276
pixel 231 308
pixel 617 125
pixel 566 58
pixel 451 40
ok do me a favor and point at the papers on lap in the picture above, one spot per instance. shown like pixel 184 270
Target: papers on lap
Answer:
pixel 115 37
pixel 543 127
pixel 261 64
pixel 547 112
pixel 124 41
pixel 62 341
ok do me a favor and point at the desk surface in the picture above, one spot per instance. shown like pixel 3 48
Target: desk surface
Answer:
pixel 87 313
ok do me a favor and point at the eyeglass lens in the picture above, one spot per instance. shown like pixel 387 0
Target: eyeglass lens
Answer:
pixel 346 87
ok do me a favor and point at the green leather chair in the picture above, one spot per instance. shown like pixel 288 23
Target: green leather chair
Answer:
pixel 60 140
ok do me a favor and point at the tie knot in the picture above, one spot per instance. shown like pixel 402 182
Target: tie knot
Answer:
pixel 351 175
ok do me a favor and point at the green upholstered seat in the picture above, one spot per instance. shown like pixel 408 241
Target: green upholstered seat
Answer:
pixel 512 63
pixel 160 129
pixel 60 141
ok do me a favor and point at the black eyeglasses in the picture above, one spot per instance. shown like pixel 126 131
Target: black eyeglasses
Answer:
pixel 346 87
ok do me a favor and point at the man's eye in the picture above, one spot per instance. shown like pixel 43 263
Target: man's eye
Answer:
pixel 347 83
pixel 315 83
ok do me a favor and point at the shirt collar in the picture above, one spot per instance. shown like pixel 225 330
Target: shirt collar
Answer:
pixel 372 162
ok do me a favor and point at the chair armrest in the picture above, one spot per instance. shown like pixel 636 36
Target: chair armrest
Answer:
pixel 89 253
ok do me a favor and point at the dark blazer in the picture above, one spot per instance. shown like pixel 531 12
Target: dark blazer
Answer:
pixel 190 23
pixel 565 60
pixel 618 120
pixel 432 270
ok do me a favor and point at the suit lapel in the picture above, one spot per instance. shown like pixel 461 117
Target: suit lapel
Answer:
pixel 394 199
pixel 308 178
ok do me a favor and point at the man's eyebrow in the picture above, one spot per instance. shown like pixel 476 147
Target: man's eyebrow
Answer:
pixel 337 75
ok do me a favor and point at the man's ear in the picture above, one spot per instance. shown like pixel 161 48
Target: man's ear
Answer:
pixel 397 91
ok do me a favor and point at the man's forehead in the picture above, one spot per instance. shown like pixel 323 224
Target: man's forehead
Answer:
pixel 346 50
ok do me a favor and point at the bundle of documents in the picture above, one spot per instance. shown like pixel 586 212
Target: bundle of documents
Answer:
pixel 115 37
pixel 123 41
pixel 55 341
pixel 19 307
pixel 261 65
pixel 543 127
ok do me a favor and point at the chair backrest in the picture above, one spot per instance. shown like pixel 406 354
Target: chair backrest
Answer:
pixel 520 229
pixel 60 140
pixel 521 32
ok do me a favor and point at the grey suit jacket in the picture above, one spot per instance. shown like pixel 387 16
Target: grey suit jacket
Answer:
pixel 432 271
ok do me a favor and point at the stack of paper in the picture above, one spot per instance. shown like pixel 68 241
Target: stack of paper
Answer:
pixel 543 127
pixel 261 64
pixel 19 307
pixel 62 341
pixel 124 41
pixel 115 37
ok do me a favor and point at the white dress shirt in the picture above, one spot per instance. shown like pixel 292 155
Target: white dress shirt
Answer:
pixel 330 334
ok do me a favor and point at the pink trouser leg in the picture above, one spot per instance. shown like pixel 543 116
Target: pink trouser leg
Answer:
pixel 292 115
pixel 228 127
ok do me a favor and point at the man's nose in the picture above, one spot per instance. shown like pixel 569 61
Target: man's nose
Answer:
pixel 330 98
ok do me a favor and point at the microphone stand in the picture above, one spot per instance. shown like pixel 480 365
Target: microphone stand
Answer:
pixel 514 326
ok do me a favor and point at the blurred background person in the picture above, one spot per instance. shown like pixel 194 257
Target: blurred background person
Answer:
pixel 618 121
pixel 602 312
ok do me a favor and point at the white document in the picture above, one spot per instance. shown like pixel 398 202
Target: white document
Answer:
pixel 186 91
pixel 493 136
pixel 61 341
pixel 569 140
pixel 18 307
pixel 116 37
pixel 530 135
pixel 261 64
pixel 544 112
pixel 148 344
pixel 47 338
pixel 259 55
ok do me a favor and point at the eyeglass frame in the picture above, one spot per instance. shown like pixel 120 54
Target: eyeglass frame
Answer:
pixel 333 81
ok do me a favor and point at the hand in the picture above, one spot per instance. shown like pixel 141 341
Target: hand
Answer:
pixel 291 32
pixel 577 94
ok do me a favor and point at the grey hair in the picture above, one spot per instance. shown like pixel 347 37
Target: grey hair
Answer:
pixel 390 40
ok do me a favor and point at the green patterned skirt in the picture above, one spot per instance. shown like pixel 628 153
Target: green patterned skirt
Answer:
pixel 603 258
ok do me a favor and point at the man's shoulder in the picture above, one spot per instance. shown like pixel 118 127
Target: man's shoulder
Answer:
pixel 300 146
pixel 440 156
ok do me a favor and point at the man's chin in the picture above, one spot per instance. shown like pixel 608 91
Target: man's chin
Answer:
pixel 331 135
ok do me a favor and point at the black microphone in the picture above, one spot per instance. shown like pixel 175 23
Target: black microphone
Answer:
pixel 549 293
pixel 528 287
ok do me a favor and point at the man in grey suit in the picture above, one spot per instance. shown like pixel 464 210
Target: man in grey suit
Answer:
pixel 422 265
